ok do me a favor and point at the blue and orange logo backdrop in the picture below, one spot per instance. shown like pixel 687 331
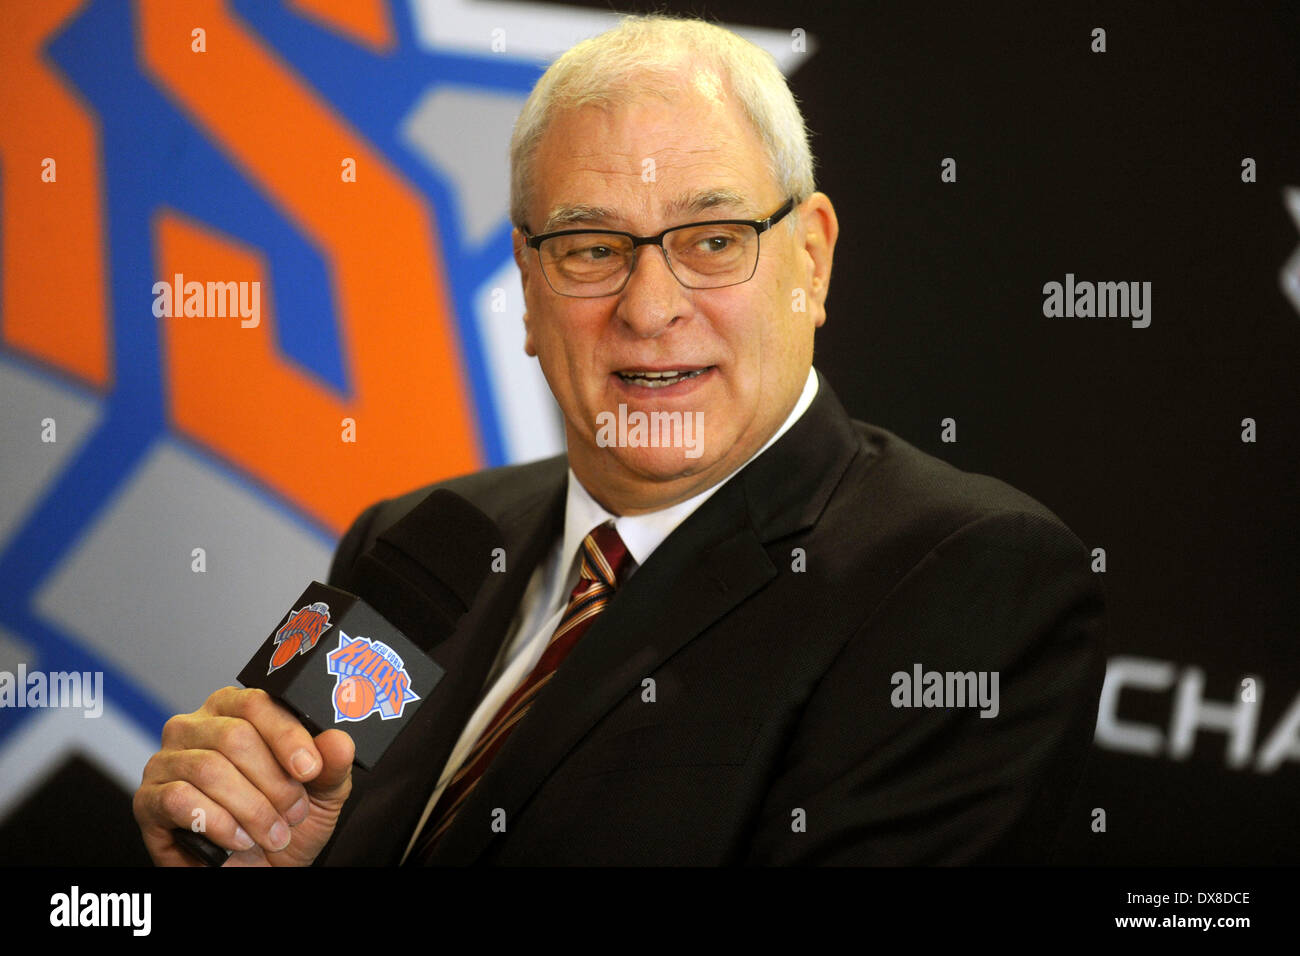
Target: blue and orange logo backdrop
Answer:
pixel 171 481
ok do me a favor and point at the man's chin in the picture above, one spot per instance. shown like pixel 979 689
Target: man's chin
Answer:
pixel 655 445
pixel 661 464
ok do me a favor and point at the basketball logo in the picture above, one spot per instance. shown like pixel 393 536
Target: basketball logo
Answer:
pixel 299 633
pixel 372 678
pixel 354 697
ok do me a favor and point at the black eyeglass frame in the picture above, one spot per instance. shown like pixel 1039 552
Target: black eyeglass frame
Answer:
pixel 760 226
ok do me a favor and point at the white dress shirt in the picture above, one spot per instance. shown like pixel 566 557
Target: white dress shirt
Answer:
pixel 547 594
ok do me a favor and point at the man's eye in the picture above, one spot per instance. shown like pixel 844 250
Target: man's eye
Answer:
pixel 713 243
pixel 591 253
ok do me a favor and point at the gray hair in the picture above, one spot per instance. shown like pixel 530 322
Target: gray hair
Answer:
pixel 645 55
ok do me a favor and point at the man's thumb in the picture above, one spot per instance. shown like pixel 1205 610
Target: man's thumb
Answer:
pixel 334 782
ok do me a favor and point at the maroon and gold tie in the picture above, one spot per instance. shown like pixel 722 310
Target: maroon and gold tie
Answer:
pixel 604 559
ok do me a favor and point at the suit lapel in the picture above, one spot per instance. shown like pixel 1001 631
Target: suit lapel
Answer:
pixel 711 563
pixel 692 580
pixel 384 813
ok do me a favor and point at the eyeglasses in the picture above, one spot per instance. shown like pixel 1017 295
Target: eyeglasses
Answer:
pixel 590 263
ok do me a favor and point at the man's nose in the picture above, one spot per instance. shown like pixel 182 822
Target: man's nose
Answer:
pixel 653 299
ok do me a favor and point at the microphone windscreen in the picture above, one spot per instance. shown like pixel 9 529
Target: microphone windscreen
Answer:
pixel 424 572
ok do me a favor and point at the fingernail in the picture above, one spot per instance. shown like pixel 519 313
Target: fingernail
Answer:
pixel 302 762
pixel 297 813
pixel 242 840
pixel 279 836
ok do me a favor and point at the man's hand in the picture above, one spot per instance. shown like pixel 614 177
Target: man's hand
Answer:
pixel 266 789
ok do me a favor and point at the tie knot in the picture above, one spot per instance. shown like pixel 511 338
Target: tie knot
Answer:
pixel 605 557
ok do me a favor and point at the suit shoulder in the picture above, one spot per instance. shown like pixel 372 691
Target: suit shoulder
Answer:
pixel 900 490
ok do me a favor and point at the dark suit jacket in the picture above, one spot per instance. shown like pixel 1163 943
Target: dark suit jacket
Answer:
pixel 771 737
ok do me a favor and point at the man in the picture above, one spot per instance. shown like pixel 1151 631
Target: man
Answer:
pixel 714 648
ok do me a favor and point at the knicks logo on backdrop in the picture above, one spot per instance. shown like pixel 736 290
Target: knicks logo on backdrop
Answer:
pixel 371 677
pixel 292 417
pixel 299 634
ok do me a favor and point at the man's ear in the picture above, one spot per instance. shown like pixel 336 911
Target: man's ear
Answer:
pixel 520 249
pixel 525 264
pixel 818 230
pixel 529 349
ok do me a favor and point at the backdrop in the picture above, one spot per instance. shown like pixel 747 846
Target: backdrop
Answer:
pixel 171 481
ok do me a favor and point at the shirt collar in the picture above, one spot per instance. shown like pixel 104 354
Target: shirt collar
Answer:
pixel 645 532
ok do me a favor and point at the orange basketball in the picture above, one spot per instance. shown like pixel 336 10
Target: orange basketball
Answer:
pixel 354 697
pixel 285 650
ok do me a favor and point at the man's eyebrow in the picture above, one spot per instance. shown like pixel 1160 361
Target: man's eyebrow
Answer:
pixel 579 214
pixel 704 200
pixel 566 215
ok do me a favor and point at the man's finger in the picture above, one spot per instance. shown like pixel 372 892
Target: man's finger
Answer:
pixel 283 732
pixel 236 753
pixel 334 782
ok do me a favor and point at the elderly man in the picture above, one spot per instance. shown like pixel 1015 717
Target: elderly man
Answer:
pixel 764 633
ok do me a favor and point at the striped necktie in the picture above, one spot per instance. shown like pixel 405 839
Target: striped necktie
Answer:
pixel 604 559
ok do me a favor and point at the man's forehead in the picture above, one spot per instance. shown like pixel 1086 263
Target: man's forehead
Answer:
pixel 665 153
pixel 724 202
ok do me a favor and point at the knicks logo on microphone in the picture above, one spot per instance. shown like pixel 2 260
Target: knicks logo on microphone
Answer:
pixel 300 633
pixel 370 677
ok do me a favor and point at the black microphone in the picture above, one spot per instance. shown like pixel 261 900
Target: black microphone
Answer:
pixel 360 661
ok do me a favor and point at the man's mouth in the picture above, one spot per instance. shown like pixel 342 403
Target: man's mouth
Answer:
pixel 660 379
